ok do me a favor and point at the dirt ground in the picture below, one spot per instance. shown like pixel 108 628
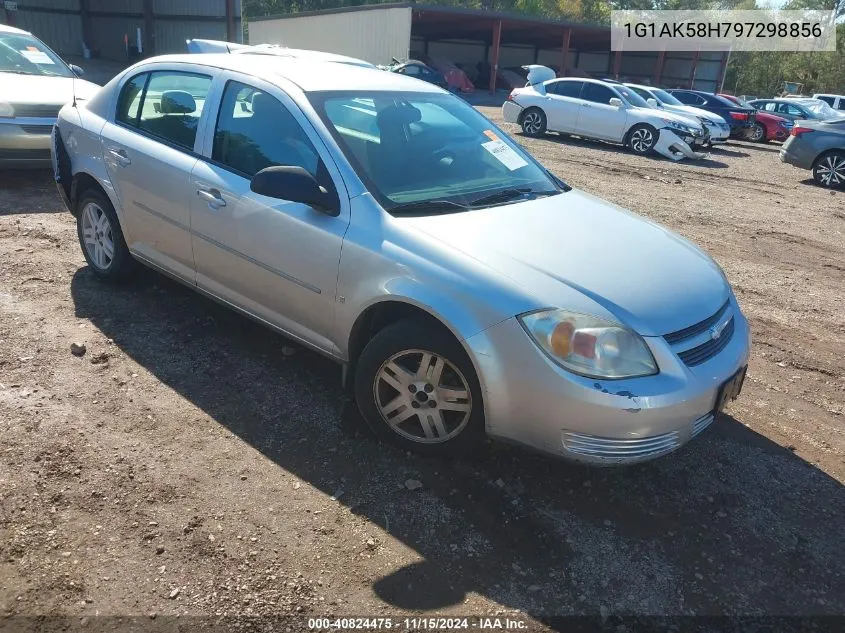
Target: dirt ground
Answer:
pixel 192 463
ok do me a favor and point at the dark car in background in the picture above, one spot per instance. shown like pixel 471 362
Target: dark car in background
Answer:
pixel 740 119
pixel 819 146
pixel 798 109
pixel 767 126
pixel 419 70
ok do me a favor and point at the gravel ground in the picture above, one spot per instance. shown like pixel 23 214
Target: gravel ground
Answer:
pixel 193 463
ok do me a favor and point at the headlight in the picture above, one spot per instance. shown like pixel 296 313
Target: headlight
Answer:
pixel 588 345
pixel 677 125
pixel 6 110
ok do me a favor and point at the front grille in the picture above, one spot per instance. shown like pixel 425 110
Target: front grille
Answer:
pixel 705 351
pixel 36 110
pixel 619 450
pixel 698 328
pixel 37 129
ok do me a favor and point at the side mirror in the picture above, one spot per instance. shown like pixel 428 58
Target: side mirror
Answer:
pixel 615 102
pixel 287 182
pixel 653 103
pixel 76 70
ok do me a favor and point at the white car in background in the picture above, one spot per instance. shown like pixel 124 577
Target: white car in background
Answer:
pixel 604 110
pixel 716 126
pixel 34 85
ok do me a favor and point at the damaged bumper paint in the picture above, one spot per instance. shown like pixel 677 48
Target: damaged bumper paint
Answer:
pixel 529 399
pixel 676 147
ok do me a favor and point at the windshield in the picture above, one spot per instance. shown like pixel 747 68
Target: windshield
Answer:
pixel 665 97
pixel 23 54
pixel 632 97
pixel 821 110
pixel 415 148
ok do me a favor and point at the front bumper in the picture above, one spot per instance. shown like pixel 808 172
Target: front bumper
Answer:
pixel 25 142
pixel 531 400
pixel 677 145
pixel 718 133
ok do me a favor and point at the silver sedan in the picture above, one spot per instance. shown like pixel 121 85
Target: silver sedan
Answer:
pixel 385 223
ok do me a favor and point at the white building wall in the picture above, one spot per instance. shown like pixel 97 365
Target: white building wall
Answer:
pixel 375 35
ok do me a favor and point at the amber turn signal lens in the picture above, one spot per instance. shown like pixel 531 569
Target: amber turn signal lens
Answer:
pixel 560 339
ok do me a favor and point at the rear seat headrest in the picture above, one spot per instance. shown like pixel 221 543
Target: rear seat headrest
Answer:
pixel 177 102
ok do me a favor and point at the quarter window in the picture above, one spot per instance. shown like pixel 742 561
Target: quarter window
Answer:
pixel 171 106
pixel 255 130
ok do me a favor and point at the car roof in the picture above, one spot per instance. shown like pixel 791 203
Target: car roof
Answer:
pixel 309 75
pixel 4 28
pixel 642 86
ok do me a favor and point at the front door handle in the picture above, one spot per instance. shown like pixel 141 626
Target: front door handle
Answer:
pixel 212 197
pixel 120 157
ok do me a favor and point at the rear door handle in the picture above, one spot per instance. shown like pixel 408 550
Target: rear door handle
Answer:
pixel 119 155
pixel 212 197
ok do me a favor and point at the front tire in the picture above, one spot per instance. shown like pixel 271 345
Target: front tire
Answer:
pixel 829 169
pixel 642 138
pixel 101 238
pixel 417 388
pixel 758 133
pixel 533 122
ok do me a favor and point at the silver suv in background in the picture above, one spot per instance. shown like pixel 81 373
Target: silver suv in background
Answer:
pixel 389 225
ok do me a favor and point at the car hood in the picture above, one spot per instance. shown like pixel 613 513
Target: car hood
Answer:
pixel 671 116
pixel 575 251
pixel 695 112
pixel 43 90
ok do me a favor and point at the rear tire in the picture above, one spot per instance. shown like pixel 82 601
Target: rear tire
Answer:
pixel 642 138
pixel 533 122
pixel 758 133
pixel 829 169
pixel 101 238
pixel 416 388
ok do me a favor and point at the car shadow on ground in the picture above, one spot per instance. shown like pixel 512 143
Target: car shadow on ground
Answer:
pixel 770 147
pixel 731 524
pixel 27 191
pixel 619 149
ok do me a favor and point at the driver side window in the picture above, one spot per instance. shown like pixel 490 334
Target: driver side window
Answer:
pixel 255 130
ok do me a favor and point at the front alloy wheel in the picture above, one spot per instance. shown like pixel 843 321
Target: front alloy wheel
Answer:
pixel 642 139
pixel 416 387
pixel 422 396
pixel 829 170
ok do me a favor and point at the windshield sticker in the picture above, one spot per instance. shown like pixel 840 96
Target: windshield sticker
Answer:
pixel 504 155
pixel 37 57
pixel 491 135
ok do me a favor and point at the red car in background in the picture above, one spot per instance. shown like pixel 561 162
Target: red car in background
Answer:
pixel 767 126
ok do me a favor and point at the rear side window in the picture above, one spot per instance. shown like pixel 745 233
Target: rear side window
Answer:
pixel 827 100
pixel 255 130
pixel 568 88
pixel 597 93
pixel 172 106
pixel 129 101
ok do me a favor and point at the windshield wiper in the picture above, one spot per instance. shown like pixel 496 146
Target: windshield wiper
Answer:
pixel 422 206
pixel 506 195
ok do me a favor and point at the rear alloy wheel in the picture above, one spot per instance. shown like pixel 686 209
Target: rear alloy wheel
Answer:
pixel 416 388
pixel 829 169
pixel 642 139
pixel 100 236
pixel 534 122
pixel 758 133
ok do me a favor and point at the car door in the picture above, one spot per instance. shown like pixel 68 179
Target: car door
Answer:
pixel 597 118
pixel 276 259
pixel 563 101
pixel 149 153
